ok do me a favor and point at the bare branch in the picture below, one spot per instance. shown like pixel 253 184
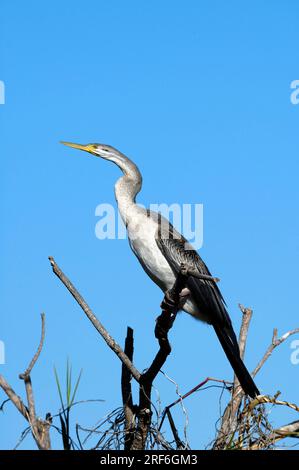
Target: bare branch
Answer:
pixel 31 403
pixel 170 305
pixel 267 399
pixel 288 430
pixel 164 323
pixel 39 350
pixel 27 380
pixel 246 319
pixel 96 323
pixel 180 444
pixel 127 391
pixel 15 399
pixel 229 418
pixel 193 390
pixel 275 342
pixel 39 427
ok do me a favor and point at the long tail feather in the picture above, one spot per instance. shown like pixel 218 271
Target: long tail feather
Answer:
pixel 210 301
pixel 245 379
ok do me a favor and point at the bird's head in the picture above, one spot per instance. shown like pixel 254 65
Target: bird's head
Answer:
pixel 99 150
pixel 112 155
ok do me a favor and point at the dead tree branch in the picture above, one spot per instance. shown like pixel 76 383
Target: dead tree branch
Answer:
pixel 164 323
pixel 39 350
pixel 167 413
pixel 96 323
pixel 288 430
pixel 126 387
pixel 137 419
pixel 14 398
pixel 229 418
pixel 170 305
pixel 39 428
pixel 267 399
pixel 233 420
pixel 274 343
pixel 246 319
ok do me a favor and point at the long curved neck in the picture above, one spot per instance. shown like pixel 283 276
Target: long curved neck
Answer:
pixel 127 187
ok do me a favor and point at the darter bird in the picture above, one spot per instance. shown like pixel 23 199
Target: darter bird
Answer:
pixel 162 251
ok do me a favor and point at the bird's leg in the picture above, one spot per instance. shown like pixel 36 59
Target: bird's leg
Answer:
pixel 170 306
pixel 165 321
pixel 174 297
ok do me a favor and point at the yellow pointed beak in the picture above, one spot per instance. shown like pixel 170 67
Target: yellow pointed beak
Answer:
pixel 87 148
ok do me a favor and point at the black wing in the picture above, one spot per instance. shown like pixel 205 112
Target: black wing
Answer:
pixel 207 296
pixel 178 250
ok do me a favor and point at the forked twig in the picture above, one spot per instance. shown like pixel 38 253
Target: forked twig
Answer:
pixel 39 427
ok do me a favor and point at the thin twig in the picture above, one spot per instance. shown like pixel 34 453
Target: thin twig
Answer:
pixel 180 444
pixel 274 343
pixel 3 404
pixel 39 350
pixel 193 390
pixel 288 430
pixel 28 384
pixel 28 413
pixel 267 399
pixel 39 427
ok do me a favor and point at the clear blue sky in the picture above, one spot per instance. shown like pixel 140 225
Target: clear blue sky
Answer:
pixel 198 94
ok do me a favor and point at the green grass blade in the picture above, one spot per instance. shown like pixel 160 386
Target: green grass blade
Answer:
pixel 68 382
pixel 76 387
pixel 58 387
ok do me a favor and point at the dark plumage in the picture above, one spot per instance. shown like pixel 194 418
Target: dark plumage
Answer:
pixel 207 297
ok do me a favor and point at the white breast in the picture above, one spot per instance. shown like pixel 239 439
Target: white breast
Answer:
pixel 142 237
pixel 142 232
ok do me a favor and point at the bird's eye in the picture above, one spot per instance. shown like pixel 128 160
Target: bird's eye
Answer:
pixel 105 150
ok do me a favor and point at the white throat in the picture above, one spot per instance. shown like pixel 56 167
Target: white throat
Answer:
pixel 127 187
